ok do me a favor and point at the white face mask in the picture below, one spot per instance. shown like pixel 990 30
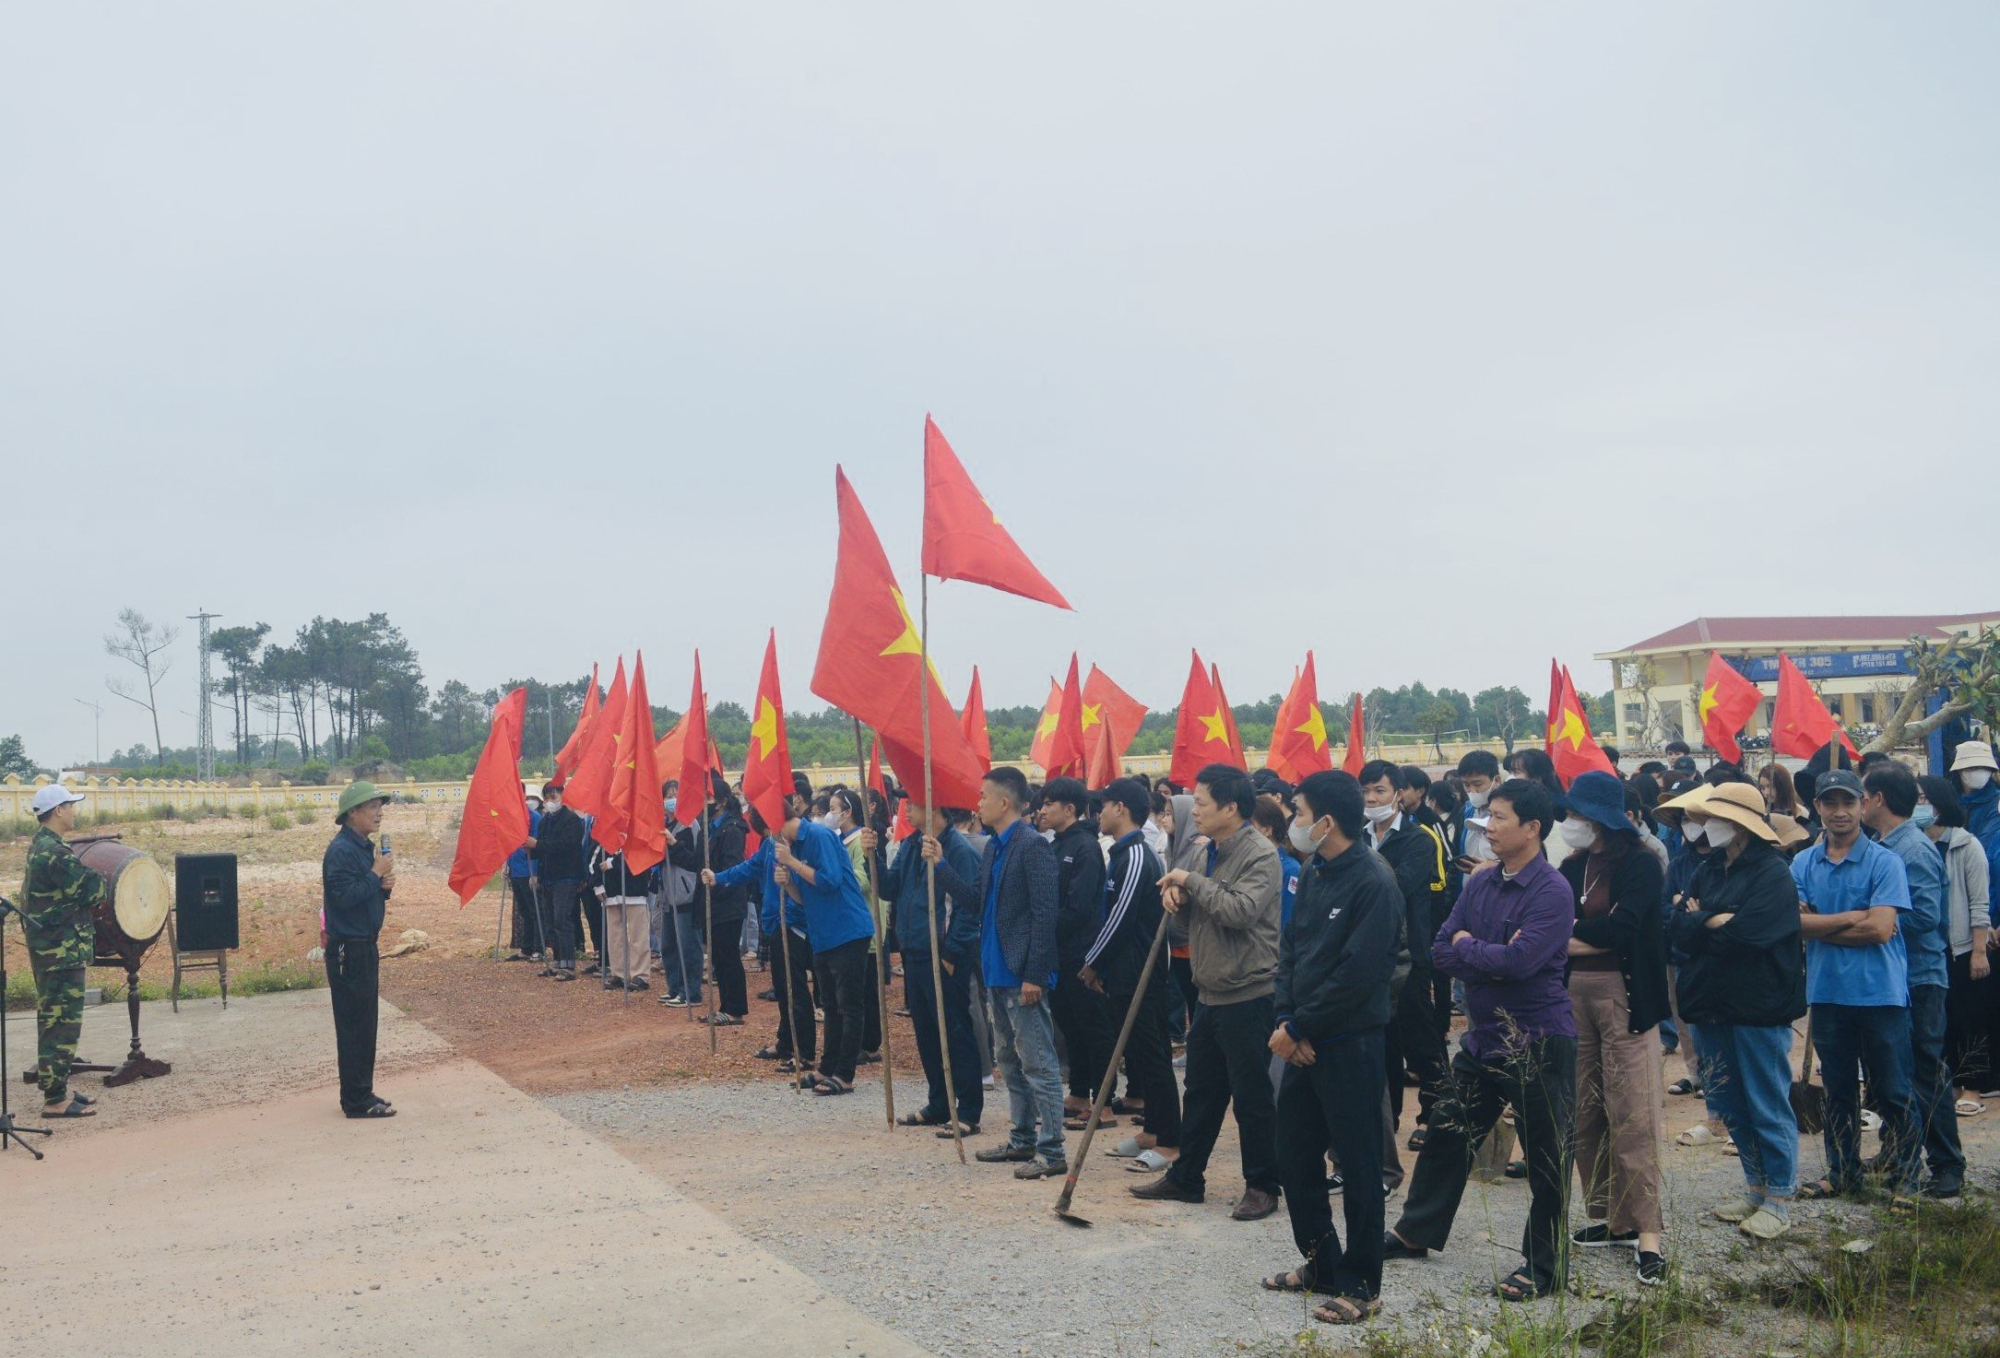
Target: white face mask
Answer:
pixel 1976 779
pixel 1381 815
pixel 828 820
pixel 1477 800
pixel 1695 833
pixel 1301 837
pixel 1578 833
pixel 1722 833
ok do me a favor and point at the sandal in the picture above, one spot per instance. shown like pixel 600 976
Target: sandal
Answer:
pixel 1125 1108
pixel 76 1108
pixel 832 1084
pixel 1816 1190
pixel 1147 1162
pixel 1517 1286
pixel 1697 1135
pixel 772 1054
pixel 1347 1310
pixel 965 1129
pixel 1417 1139
pixel 919 1120
pixel 1394 1248
pixel 377 1109
pixel 1298 1280
pixel 1968 1108
pixel 1128 1149
pixel 1684 1086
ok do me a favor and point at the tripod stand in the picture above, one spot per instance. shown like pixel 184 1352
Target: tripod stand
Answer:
pixel 8 1131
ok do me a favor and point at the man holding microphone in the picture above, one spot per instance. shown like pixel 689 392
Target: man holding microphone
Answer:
pixel 356 879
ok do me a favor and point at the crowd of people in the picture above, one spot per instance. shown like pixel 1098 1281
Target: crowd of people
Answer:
pixel 1517 954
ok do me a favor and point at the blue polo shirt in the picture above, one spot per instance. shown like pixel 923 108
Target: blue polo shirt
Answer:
pixel 836 911
pixel 1925 942
pixel 1869 875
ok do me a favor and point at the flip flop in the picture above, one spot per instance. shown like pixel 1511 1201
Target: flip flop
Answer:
pixel 1128 1149
pixel 1347 1310
pixel 1297 1280
pixel 1517 1286
pixel 1969 1108
pixel 71 1109
pixel 1147 1162
pixel 1697 1135
pixel 919 1120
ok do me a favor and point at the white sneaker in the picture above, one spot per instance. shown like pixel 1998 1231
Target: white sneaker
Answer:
pixel 1870 1121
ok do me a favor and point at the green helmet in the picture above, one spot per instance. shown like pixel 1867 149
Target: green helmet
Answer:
pixel 358 793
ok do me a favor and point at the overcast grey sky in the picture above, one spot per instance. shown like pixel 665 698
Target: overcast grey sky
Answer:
pixel 1438 338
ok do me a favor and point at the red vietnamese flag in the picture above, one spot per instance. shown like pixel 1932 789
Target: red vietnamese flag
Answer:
pixel 1570 744
pixel 1102 766
pixel 963 539
pixel 695 755
pixel 635 783
pixel 1299 746
pixel 871 665
pixel 1228 720
pixel 667 753
pixel 902 829
pixel 1104 703
pixel 585 793
pixel 1201 729
pixel 1059 735
pixel 1727 700
pixel 767 767
pixel 494 822
pixel 1357 737
pixel 973 722
pixel 1044 741
pixel 1800 724
pixel 572 750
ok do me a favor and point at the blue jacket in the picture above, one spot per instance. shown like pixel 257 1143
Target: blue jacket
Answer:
pixel 905 886
pixel 1982 818
pixel 520 863
pixel 836 911
pixel 1025 909
pixel 757 868
pixel 351 894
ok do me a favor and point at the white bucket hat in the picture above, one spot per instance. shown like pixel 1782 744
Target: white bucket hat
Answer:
pixel 1974 754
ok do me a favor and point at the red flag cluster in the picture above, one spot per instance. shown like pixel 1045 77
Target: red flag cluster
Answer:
pixel 1205 731
pixel 495 819
pixel 1569 743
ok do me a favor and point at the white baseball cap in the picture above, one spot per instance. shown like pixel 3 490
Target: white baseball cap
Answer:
pixel 53 796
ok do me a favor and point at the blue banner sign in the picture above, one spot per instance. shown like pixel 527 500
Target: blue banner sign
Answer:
pixel 1826 665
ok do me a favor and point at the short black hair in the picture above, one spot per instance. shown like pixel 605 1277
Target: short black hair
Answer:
pixel 1414 777
pixel 1943 798
pixel 1375 770
pixel 801 785
pixel 1161 802
pixel 1722 771
pixel 1271 814
pixel 1531 802
pixel 1012 782
pixel 1611 753
pixel 1478 764
pixel 1070 792
pixel 1335 793
pixel 1228 786
pixel 1896 786
pixel 1677 747
pixel 1131 794
pixel 1653 766
pixel 1869 759
pixel 1444 797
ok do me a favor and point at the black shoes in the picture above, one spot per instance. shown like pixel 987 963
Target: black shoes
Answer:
pixel 1000 1155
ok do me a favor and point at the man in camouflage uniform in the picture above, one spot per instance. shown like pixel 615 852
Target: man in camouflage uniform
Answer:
pixel 57 900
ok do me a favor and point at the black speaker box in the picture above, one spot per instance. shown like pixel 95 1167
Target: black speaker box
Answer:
pixel 205 901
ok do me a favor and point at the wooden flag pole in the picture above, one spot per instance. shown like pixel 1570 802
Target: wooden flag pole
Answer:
pixel 881 935
pixel 930 868
pixel 785 981
pixel 708 915
pixel 500 918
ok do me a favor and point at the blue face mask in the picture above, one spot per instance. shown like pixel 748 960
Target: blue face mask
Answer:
pixel 1924 817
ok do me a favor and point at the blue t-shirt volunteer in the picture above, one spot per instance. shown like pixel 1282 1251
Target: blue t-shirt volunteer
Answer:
pixel 1870 875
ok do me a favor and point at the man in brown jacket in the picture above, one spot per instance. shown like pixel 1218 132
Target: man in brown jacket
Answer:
pixel 1232 910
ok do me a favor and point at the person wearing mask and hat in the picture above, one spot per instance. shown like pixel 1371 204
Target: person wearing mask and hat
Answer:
pixel 1742 983
pixel 1617 995
pixel 1978 775
pixel 355 879
pixel 1853 891
pixel 58 894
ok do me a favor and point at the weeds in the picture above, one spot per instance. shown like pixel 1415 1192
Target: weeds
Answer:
pixel 278 820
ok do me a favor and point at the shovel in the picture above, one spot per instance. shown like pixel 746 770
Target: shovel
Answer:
pixel 1110 1075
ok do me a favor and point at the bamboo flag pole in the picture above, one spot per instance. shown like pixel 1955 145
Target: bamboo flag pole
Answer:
pixel 930 868
pixel 505 883
pixel 881 937
pixel 708 919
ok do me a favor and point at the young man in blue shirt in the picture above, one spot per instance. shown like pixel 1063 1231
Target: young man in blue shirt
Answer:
pixel 1852 892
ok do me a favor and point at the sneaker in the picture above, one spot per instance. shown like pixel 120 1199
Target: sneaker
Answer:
pixel 1599 1234
pixel 1040 1169
pixel 986 1082
pixel 1008 1154
pixel 1764 1224
pixel 768 996
pixel 1737 1210
pixel 565 976
pixel 1652 1268
pixel 674 1001
pixel 1336 1182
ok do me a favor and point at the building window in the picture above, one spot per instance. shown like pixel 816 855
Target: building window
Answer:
pixel 1867 709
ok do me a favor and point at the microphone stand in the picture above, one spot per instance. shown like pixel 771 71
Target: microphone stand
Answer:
pixel 8 1131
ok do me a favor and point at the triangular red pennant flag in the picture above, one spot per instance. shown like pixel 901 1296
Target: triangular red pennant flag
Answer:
pixel 963 539
pixel 1299 746
pixel 635 783
pixel 1357 738
pixel 494 821
pixel 1103 765
pixel 870 665
pixel 1800 724
pixel 1727 700
pixel 586 791
pixel 767 766
pixel 1104 703
pixel 973 721
pixel 1060 732
pixel 1042 747
pixel 1570 744
pixel 695 755
pixel 572 750
pixel 1201 728
pixel 1236 755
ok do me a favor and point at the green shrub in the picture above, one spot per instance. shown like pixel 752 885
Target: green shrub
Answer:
pixel 248 810
pixel 316 773
pixel 278 820
pixel 161 811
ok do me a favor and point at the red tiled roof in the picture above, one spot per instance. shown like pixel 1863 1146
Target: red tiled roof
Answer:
pixel 1790 631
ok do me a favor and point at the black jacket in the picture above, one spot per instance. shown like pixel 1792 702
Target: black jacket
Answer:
pixel 725 851
pixel 1131 917
pixel 1634 929
pixel 558 853
pixel 1417 857
pixel 1752 970
pixel 1079 895
pixel 1335 962
pixel 350 892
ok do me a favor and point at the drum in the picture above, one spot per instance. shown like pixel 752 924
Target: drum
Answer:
pixel 137 896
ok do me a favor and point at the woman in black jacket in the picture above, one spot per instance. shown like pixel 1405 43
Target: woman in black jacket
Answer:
pixel 722 827
pixel 1743 984
pixel 1618 995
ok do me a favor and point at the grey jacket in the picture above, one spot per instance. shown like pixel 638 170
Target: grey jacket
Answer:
pixel 1967 904
pixel 1186 848
pixel 1232 914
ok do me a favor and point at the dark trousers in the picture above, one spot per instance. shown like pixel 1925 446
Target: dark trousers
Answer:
pixel 725 956
pixel 524 933
pixel 1149 1062
pixel 1229 1061
pixel 1412 1040
pixel 1084 1018
pixel 559 921
pixel 795 1002
pixel 1334 1104
pixel 1540 1086
pixel 1184 999
pixel 1966 1042
pixel 958 1034
pixel 843 984
pixel 873 980
pixel 353 974
pixel 1931 1089
pixel 586 909
pixel 1873 1040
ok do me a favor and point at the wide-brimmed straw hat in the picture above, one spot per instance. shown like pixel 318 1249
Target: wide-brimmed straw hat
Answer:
pixel 1690 800
pixel 1790 832
pixel 1740 804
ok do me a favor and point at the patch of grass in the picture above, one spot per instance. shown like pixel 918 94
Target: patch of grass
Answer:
pixel 248 810
pixel 265 978
pixel 278 820
pixel 20 989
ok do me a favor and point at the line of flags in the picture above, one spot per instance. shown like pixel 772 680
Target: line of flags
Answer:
pixel 1801 725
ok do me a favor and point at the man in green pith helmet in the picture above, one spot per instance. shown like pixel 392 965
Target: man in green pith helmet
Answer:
pixel 356 877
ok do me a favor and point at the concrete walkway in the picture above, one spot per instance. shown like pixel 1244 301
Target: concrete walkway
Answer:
pixel 477 1222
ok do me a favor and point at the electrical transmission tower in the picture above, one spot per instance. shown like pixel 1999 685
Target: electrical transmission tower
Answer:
pixel 204 723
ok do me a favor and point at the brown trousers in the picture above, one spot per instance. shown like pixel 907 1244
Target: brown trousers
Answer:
pixel 1618 1112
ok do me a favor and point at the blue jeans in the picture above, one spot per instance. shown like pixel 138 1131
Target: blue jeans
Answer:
pixel 1931 1082
pixel 1746 1074
pixel 1875 1040
pixel 1025 1040
pixel 690 952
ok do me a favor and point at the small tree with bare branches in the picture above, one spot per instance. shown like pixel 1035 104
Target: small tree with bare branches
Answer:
pixel 140 644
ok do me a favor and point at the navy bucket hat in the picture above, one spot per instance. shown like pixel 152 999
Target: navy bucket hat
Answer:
pixel 1600 797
